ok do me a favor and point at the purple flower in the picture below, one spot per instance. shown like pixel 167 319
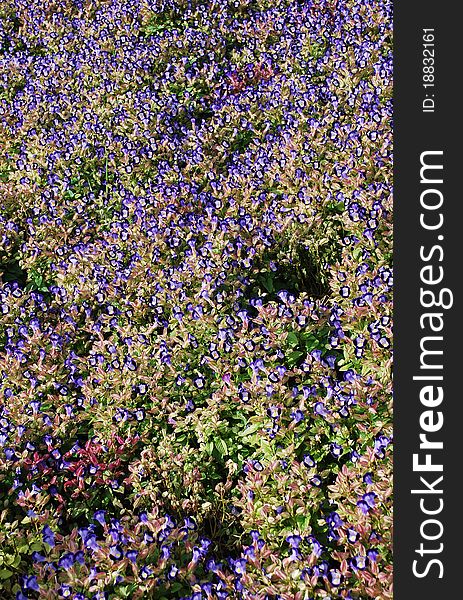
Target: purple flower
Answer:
pixel 317 548
pixel 10 454
pixel 381 443
pixel 320 409
pixel 255 535
pixel 335 449
pixel 334 520
pixel 359 563
pixel 36 557
pixel 48 536
pixel 274 412
pixel 132 555
pixel 257 465
pixel 373 554
pixel 297 416
pixel 197 554
pixel 173 572
pixel 211 565
pixel 309 461
pixel 199 382
pixel 352 535
pixel 99 516
pixel 189 523
pixel 363 507
pixel 116 552
pixel 369 499
pixel 88 538
pixel 294 540
pixel 368 478
pixel 145 572
pixel 332 535
pixel 367 502
pixel 65 590
pixel 30 583
pixel 335 577
pixel 66 561
pixel 239 566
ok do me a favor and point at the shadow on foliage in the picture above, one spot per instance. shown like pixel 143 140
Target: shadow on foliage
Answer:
pixel 11 272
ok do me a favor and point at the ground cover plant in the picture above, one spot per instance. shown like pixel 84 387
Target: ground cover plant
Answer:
pixel 195 299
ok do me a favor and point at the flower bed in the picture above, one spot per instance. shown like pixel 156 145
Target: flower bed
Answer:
pixel 195 299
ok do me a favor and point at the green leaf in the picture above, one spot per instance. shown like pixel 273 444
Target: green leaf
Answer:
pixel 267 281
pixel 5 573
pixel 266 448
pixel 356 253
pixel 311 342
pixel 251 429
pixel 221 447
pixel 336 207
pixel 16 562
pixel 303 521
pixel 292 339
pixel 36 547
pixel 294 356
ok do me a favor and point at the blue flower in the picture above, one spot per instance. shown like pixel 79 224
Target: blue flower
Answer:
pixel 197 554
pixel 335 577
pixel 66 561
pixel 145 572
pixel 255 535
pixel 297 416
pixel 352 535
pixel 65 590
pixel 369 499
pixel 332 535
pixel 48 536
pixel 373 554
pixel 368 478
pixel 335 449
pixel 363 507
pixel 294 540
pixel 211 565
pixel 173 572
pixel 334 520
pixel 30 583
pixel 36 557
pixel 309 461
pixel 189 523
pixel 359 563
pixel 10 454
pixel 317 548
pixel 239 566
pixel 132 555
pixel 99 516
pixel 320 409
pixel 116 552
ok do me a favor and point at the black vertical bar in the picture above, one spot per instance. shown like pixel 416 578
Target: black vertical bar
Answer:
pixel 427 119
